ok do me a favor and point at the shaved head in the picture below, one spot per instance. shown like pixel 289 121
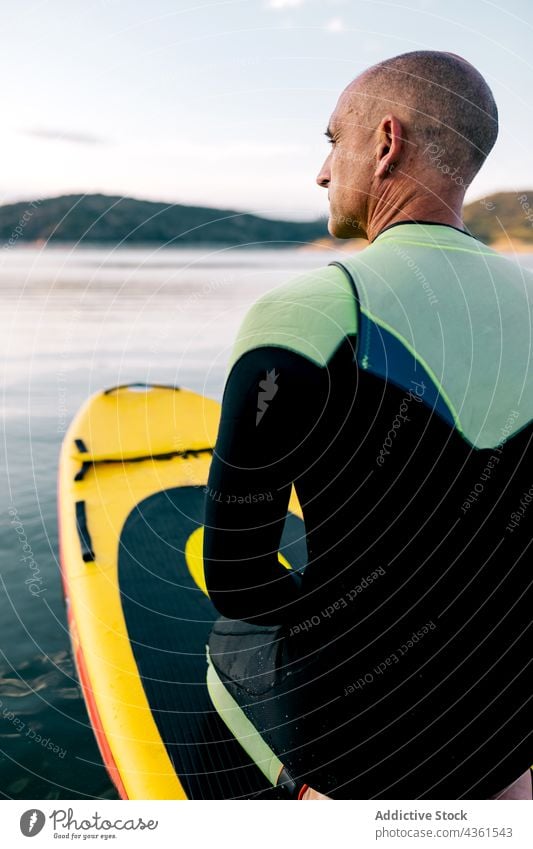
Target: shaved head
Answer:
pixel 408 136
pixel 441 98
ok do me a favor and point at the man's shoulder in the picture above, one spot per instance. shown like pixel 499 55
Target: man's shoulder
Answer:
pixel 309 314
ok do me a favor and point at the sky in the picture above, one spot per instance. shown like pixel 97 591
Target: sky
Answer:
pixel 225 103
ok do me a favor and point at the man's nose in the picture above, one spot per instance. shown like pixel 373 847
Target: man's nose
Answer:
pixel 324 175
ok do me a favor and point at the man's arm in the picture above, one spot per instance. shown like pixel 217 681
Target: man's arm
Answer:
pixel 249 486
pixel 276 395
pixel 272 401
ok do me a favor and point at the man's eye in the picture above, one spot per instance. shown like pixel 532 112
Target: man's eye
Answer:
pixel 331 141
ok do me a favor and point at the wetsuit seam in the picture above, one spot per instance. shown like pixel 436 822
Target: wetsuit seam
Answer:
pixel 300 354
pixel 361 327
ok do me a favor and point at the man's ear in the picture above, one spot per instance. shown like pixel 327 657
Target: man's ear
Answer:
pixel 389 147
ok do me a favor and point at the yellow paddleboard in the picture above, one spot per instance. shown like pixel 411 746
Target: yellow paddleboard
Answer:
pixel 133 467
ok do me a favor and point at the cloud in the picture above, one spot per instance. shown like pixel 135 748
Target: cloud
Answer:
pixel 284 4
pixel 63 135
pixel 335 25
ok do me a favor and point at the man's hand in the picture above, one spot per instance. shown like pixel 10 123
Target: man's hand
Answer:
pixel 314 794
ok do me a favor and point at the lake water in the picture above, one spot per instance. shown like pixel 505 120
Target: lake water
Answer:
pixel 73 322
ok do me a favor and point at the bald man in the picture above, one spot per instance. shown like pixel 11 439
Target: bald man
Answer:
pixel 393 390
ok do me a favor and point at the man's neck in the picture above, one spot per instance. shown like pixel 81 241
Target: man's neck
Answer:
pixel 425 208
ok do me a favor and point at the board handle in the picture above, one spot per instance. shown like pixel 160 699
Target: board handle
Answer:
pixel 145 385
pixel 87 552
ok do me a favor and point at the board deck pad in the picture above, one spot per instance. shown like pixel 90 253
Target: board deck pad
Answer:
pixel 168 620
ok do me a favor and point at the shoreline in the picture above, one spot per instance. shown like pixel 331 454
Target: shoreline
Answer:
pixel 325 243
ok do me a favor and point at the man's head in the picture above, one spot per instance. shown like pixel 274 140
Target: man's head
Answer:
pixel 419 125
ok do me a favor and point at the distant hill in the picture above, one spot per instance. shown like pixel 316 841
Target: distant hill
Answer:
pixel 501 217
pixel 113 220
pixel 497 219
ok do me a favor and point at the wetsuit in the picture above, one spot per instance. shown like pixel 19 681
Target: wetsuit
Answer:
pixel 394 390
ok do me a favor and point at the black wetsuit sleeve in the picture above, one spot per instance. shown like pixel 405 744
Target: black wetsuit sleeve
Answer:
pixel 271 399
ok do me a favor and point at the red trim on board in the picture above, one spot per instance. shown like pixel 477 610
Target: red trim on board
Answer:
pixel 96 723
